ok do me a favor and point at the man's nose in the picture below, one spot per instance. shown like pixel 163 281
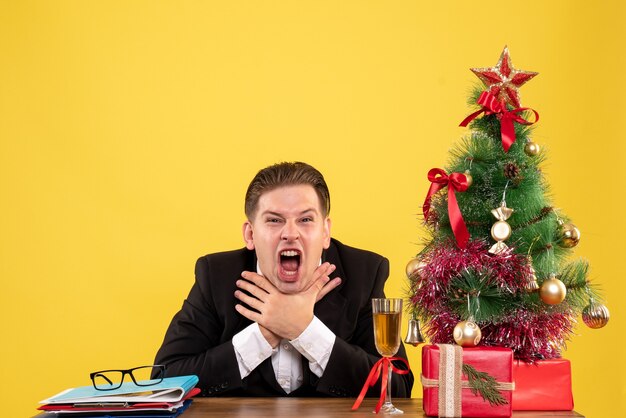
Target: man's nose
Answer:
pixel 290 232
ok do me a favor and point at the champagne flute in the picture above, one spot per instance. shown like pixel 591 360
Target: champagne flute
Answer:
pixel 387 319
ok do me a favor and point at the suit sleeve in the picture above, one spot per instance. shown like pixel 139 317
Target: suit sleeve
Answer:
pixel 192 342
pixel 351 360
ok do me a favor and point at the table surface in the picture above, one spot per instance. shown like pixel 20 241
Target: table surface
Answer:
pixel 317 407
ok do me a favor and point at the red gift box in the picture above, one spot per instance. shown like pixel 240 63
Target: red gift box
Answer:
pixel 545 385
pixel 496 361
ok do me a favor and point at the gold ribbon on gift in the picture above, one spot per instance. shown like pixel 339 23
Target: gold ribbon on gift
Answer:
pixel 450 383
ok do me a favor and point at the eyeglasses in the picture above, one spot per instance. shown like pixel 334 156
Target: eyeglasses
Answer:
pixel 141 376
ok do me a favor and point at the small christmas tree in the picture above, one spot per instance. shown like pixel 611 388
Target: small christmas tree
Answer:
pixel 495 270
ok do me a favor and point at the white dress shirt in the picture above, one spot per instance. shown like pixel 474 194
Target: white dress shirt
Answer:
pixel 315 344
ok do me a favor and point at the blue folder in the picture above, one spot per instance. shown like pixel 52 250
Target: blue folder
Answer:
pixel 171 389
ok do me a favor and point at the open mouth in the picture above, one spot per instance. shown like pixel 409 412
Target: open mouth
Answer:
pixel 289 263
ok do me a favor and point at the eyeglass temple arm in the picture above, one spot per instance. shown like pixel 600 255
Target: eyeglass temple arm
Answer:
pixel 102 376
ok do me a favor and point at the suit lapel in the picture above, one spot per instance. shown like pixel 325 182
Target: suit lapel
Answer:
pixel 249 264
pixel 330 310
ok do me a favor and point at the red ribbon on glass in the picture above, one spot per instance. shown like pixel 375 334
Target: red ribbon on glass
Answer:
pixel 492 106
pixel 380 367
pixel 456 182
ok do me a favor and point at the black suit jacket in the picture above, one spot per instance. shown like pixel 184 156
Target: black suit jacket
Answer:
pixel 198 340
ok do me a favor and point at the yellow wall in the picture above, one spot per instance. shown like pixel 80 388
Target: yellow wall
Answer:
pixel 129 131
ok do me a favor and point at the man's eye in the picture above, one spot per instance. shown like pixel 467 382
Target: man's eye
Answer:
pixel 273 220
pixel 307 219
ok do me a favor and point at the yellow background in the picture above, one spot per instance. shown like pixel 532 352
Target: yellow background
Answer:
pixel 129 131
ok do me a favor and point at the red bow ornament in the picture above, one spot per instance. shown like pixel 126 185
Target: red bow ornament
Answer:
pixel 492 106
pixel 380 369
pixel 456 182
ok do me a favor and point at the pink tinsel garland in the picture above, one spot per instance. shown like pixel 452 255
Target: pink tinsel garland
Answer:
pixel 531 335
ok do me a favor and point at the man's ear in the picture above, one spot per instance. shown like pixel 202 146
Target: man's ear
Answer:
pixel 248 234
pixel 327 224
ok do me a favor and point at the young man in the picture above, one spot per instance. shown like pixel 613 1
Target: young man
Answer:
pixel 289 314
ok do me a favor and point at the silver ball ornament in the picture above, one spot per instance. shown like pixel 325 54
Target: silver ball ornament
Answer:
pixel 595 315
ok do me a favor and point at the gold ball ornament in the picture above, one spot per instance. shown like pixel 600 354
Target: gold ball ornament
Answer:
pixel 501 231
pixel 469 178
pixel 413 267
pixel 531 148
pixel 595 315
pixel 569 235
pixel 467 334
pixel 552 291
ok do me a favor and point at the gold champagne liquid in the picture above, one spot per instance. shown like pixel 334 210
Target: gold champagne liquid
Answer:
pixel 387 333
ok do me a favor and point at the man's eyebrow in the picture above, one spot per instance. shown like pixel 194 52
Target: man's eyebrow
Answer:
pixel 272 213
pixel 281 215
pixel 313 210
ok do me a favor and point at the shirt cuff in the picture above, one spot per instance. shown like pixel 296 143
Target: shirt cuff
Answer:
pixel 315 344
pixel 251 349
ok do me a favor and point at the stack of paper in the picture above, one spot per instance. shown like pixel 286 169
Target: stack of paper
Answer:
pixel 167 399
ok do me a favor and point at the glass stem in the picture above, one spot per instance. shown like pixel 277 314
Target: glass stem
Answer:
pixel 388 397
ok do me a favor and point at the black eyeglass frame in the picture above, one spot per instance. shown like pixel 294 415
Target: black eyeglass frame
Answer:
pixel 156 381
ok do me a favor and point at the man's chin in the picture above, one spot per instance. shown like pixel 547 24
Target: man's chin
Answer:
pixel 290 289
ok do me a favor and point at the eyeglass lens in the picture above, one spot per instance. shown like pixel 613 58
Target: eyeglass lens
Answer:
pixel 142 376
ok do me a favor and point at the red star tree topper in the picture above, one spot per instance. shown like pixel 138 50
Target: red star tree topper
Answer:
pixel 503 81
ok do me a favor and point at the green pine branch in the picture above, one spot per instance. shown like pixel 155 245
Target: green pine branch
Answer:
pixel 487 301
pixel 579 290
pixel 483 384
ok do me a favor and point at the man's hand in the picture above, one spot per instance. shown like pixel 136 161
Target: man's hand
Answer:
pixel 282 315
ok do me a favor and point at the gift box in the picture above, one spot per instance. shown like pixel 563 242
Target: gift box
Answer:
pixel 545 385
pixel 447 392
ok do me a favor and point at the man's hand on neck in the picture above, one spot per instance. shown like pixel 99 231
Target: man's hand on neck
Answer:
pixel 282 315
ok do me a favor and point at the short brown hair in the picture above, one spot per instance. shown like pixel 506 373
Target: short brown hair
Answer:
pixel 286 174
